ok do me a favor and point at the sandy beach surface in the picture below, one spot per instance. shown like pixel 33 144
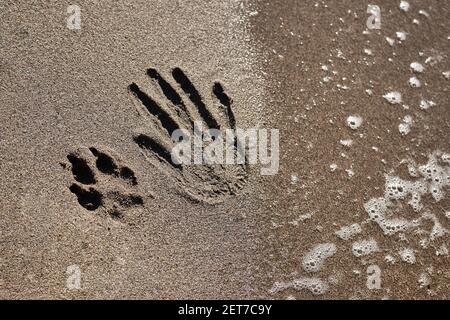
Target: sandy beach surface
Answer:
pixel 92 208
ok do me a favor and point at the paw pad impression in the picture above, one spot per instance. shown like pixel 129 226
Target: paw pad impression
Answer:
pixel 102 182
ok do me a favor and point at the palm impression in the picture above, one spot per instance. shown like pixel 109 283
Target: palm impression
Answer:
pixel 177 105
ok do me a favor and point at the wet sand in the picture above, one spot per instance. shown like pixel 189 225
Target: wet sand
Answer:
pixel 305 44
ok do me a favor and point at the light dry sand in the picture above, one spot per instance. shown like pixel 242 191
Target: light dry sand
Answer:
pixel 64 91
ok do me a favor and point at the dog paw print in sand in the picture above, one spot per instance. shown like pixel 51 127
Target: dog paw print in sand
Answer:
pixel 102 183
pixel 171 103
